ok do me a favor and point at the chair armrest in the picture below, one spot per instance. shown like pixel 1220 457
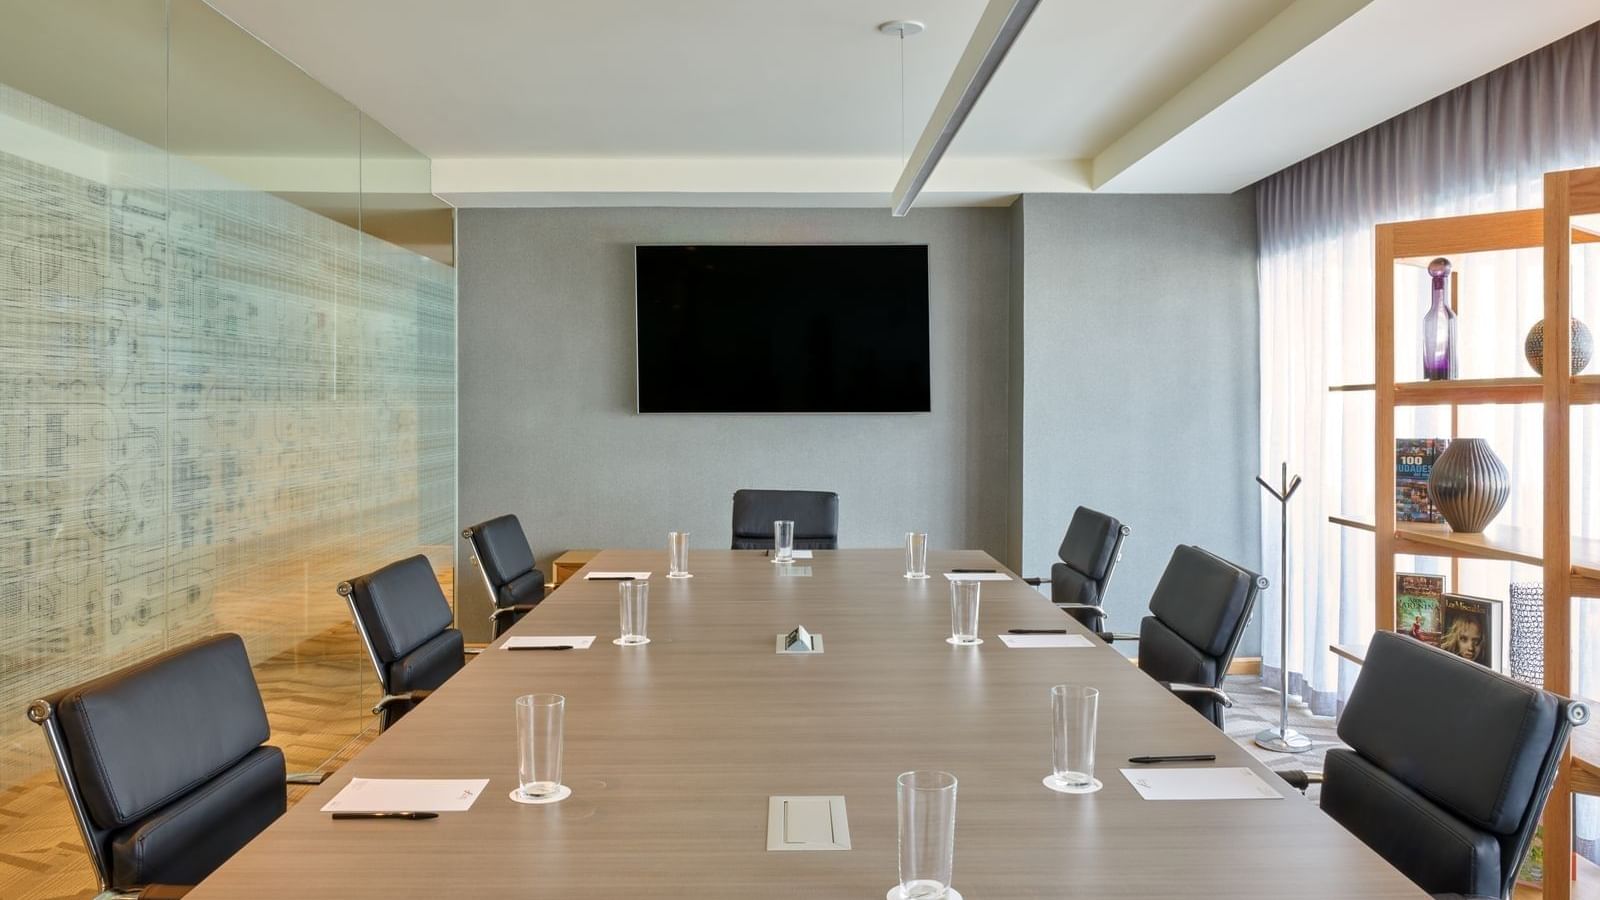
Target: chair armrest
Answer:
pixel 1033 581
pixel 512 610
pixel 1299 779
pixel 408 697
pixel 1112 637
pixel 1218 694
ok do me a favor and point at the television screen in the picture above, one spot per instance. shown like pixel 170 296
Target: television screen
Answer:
pixel 782 328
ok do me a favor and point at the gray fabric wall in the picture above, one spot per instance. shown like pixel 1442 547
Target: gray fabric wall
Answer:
pixel 548 429
pixel 1139 358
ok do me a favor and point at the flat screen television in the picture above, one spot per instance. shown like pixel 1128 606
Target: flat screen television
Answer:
pixel 779 328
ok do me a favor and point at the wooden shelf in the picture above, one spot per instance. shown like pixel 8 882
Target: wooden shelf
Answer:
pixel 1475 391
pixel 1353 652
pixel 1523 545
pixel 1469 391
pixel 1586 759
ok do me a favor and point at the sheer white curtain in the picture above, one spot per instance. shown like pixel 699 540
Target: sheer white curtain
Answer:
pixel 1483 147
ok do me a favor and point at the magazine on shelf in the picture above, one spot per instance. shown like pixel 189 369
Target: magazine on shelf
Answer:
pixel 1470 628
pixel 1416 606
pixel 1413 462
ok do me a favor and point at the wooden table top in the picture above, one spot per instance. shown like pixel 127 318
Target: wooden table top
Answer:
pixel 673 748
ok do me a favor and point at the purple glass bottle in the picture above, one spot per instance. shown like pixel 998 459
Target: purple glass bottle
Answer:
pixel 1439 328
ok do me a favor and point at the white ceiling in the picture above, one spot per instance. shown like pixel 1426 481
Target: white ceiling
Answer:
pixel 797 102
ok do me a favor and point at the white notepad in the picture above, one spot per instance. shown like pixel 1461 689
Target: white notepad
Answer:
pixel 977 576
pixel 407 795
pixel 1031 641
pixel 1220 783
pixel 799 554
pixel 616 576
pixel 576 641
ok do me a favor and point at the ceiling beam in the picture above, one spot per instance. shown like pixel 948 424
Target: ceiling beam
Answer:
pixel 997 31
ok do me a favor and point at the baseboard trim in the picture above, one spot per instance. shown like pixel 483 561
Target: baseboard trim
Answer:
pixel 1245 665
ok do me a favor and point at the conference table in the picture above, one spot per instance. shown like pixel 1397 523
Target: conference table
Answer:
pixel 674 747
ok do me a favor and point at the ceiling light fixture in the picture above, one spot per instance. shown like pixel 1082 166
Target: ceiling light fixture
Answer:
pixel 997 31
pixel 902 29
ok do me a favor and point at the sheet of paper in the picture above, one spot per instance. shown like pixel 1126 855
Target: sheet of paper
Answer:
pixel 615 576
pixel 1221 783
pixel 576 641
pixel 803 554
pixel 977 576
pixel 407 795
pixel 1030 641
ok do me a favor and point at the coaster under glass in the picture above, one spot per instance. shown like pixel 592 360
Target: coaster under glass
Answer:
pixel 626 643
pixel 561 793
pixel 896 893
pixel 972 643
pixel 921 577
pixel 1061 787
pixel 681 575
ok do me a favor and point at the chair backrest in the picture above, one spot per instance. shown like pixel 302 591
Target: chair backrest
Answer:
pixel 1449 767
pixel 1198 613
pixel 502 549
pixel 404 622
pixel 161 751
pixel 1089 554
pixel 815 515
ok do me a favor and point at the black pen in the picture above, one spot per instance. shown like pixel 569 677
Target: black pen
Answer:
pixel 609 578
pixel 552 647
pixel 1037 631
pixel 386 815
pixel 971 571
pixel 1192 757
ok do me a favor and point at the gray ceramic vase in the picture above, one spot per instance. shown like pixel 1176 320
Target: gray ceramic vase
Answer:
pixel 1469 485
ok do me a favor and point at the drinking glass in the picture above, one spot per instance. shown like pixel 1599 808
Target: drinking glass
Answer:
pixel 540 726
pixel 916 554
pixel 783 541
pixel 927 833
pixel 678 554
pixel 1075 710
pixel 964 612
pixel 635 609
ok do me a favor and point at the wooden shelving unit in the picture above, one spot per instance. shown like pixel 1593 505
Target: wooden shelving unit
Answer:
pixel 1571 564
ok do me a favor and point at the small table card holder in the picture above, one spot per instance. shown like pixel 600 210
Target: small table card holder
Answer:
pixel 800 641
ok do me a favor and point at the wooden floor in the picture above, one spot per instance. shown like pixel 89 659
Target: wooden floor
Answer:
pixel 310 703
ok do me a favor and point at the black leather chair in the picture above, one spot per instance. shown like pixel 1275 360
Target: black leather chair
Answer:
pixel 815 515
pixel 165 766
pixel 1197 616
pixel 1449 766
pixel 404 622
pixel 1089 554
pixel 501 552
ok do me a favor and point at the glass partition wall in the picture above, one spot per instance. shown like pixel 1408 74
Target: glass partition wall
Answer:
pixel 227 364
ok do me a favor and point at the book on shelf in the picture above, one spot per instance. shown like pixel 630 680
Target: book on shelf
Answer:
pixel 1416 606
pixel 1413 462
pixel 1471 628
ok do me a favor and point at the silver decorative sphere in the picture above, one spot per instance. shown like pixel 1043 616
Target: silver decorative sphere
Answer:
pixel 1582 347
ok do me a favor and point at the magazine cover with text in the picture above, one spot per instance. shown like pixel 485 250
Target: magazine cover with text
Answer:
pixel 1416 606
pixel 1413 463
pixel 1470 627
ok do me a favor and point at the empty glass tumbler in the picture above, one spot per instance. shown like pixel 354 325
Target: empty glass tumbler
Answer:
pixel 964 612
pixel 635 612
pixel 540 731
pixel 782 541
pixel 927 834
pixel 1074 711
pixel 678 554
pixel 916 554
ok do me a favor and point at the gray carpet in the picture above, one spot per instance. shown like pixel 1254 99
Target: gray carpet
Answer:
pixel 1255 708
